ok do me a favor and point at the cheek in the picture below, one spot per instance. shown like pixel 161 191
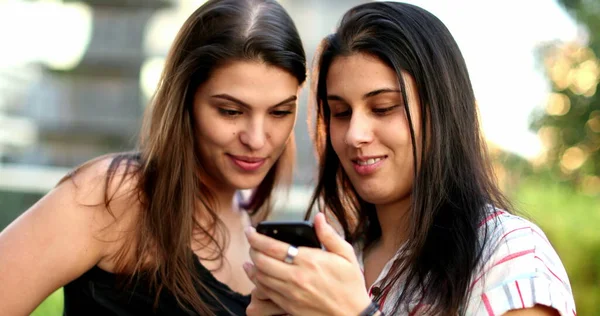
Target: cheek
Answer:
pixel 398 139
pixel 337 134
pixel 396 134
pixel 213 131
pixel 280 131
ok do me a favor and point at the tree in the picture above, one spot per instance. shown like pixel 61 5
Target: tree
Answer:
pixel 569 126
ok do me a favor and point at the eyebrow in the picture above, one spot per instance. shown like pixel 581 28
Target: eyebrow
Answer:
pixel 333 97
pixel 228 97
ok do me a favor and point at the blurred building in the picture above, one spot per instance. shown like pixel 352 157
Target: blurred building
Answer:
pixel 68 113
pixel 94 107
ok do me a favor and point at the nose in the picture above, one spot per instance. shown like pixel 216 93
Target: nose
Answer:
pixel 255 134
pixel 359 131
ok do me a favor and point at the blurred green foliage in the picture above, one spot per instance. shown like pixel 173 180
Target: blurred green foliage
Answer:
pixel 52 306
pixel 564 198
pixel 569 126
pixel 570 220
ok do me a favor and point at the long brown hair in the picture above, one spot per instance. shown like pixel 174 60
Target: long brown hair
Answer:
pixel 454 184
pixel 165 166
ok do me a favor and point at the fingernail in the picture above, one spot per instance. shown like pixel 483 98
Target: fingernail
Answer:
pixel 249 230
pixel 247 266
pixel 323 216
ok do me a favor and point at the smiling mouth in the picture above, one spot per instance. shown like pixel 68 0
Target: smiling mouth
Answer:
pixel 369 161
pixel 248 159
pixel 366 166
pixel 247 163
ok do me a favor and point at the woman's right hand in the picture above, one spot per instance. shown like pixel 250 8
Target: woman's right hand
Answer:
pixel 316 282
pixel 261 305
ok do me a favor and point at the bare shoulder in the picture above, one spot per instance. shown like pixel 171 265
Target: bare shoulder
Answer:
pixel 104 190
pixel 67 232
pixel 108 181
pixel 107 190
pixel 537 310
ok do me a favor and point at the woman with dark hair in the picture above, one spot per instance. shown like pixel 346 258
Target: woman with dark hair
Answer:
pixel 404 173
pixel 160 230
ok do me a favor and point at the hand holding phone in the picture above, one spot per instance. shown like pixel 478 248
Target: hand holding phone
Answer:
pixel 295 233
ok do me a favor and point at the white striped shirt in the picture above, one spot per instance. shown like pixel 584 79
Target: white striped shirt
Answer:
pixel 523 270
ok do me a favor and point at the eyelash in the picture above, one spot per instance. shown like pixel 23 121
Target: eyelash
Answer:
pixel 234 113
pixel 342 114
pixel 377 111
pixel 384 111
pixel 229 113
pixel 281 113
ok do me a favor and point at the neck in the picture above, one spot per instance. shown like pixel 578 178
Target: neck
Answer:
pixel 226 203
pixel 393 220
pixel 222 197
pixel 224 206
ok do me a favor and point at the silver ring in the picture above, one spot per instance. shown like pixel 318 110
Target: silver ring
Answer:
pixel 292 252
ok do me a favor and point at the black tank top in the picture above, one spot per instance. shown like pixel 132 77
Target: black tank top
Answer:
pixel 96 292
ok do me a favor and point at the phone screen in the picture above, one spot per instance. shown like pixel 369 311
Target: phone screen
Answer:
pixel 295 233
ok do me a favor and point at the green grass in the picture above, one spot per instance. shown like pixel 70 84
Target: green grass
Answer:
pixel 52 306
pixel 569 219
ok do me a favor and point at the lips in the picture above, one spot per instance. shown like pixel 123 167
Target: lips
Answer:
pixel 247 163
pixel 369 161
pixel 367 165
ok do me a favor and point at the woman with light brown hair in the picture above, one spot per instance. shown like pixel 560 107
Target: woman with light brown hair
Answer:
pixel 160 230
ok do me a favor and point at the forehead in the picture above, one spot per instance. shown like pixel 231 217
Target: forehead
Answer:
pixel 358 73
pixel 251 80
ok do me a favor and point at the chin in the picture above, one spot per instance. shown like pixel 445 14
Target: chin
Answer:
pixel 246 182
pixel 373 195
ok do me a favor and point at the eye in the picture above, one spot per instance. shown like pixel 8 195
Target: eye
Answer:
pixel 340 110
pixel 341 114
pixel 229 112
pixel 281 113
pixel 384 111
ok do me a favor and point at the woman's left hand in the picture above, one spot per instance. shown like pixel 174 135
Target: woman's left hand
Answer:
pixel 317 282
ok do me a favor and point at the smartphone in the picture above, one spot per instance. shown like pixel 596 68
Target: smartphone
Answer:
pixel 295 233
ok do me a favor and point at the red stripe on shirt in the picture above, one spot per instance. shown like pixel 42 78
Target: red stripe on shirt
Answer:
pixel 514 255
pixel 520 295
pixel 554 274
pixel 414 311
pixel 514 230
pixel 488 306
pixel 507 258
pixel 489 218
pixel 385 294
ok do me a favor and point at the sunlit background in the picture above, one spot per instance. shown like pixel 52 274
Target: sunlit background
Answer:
pixel 75 77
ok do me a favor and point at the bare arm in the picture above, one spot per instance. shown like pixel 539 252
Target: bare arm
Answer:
pixel 52 243
pixel 537 310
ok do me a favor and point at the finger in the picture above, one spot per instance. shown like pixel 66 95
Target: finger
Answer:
pixel 270 266
pixel 270 284
pixel 279 298
pixel 263 307
pixel 250 271
pixel 267 245
pixel 259 293
pixel 331 240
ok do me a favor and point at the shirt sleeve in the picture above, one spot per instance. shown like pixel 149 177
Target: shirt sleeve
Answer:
pixel 523 270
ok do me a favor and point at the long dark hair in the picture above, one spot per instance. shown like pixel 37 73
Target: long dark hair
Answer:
pixel 166 182
pixel 454 184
